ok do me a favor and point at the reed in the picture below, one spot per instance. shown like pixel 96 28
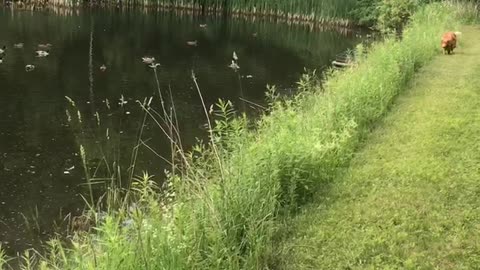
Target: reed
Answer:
pixel 3 258
pixel 334 12
pixel 468 10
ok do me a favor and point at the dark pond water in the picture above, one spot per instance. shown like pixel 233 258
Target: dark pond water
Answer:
pixel 41 174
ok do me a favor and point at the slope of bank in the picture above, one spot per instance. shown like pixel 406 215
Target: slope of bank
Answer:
pixel 410 199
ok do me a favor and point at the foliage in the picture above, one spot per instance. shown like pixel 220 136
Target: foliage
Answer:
pixel 393 14
pixel 323 11
pixel 366 12
pixel 386 15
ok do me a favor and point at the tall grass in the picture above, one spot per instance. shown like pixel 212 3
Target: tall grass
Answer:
pixel 224 210
pixel 336 12
pixel 467 10
pixel 3 260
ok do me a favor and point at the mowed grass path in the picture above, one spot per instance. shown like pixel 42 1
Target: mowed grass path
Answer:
pixel 411 197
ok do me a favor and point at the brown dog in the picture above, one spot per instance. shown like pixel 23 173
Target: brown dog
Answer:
pixel 449 42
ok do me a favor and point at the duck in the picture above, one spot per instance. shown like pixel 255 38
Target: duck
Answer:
pixel 1 60
pixel 234 65
pixel 44 46
pixel 18 45
pixel 103 68
pixel 203 25
pixel 41 53
pixel 29 68
pixel 192 43
pixel 3 49
pixel 148 59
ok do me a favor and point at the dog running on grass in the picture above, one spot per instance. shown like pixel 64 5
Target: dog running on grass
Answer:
pixel 449 41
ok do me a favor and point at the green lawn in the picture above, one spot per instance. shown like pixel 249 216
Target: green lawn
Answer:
pixel 410 198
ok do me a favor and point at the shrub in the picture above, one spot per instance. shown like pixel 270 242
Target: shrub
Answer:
pixel 366 12
pixel 393 14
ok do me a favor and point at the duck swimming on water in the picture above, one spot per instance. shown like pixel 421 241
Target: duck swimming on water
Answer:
pixel 192 43
pixel 18 45
pixel 29 68
pixel 41 53
pixel 44 46
pixel 3 49
pixel 148 59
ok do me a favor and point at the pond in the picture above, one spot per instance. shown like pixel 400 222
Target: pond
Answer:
pixel 41 132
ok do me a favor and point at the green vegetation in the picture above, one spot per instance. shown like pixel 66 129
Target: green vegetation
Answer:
pixel 409 199
pixel 385 15
pixel 468 10
pixel 3 260
pixel 224 208
pixel 336 12
pixel 324 10
pixel 391 15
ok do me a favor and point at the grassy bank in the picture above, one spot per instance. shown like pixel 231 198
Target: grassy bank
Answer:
pixel 409 200
pixel 223 210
